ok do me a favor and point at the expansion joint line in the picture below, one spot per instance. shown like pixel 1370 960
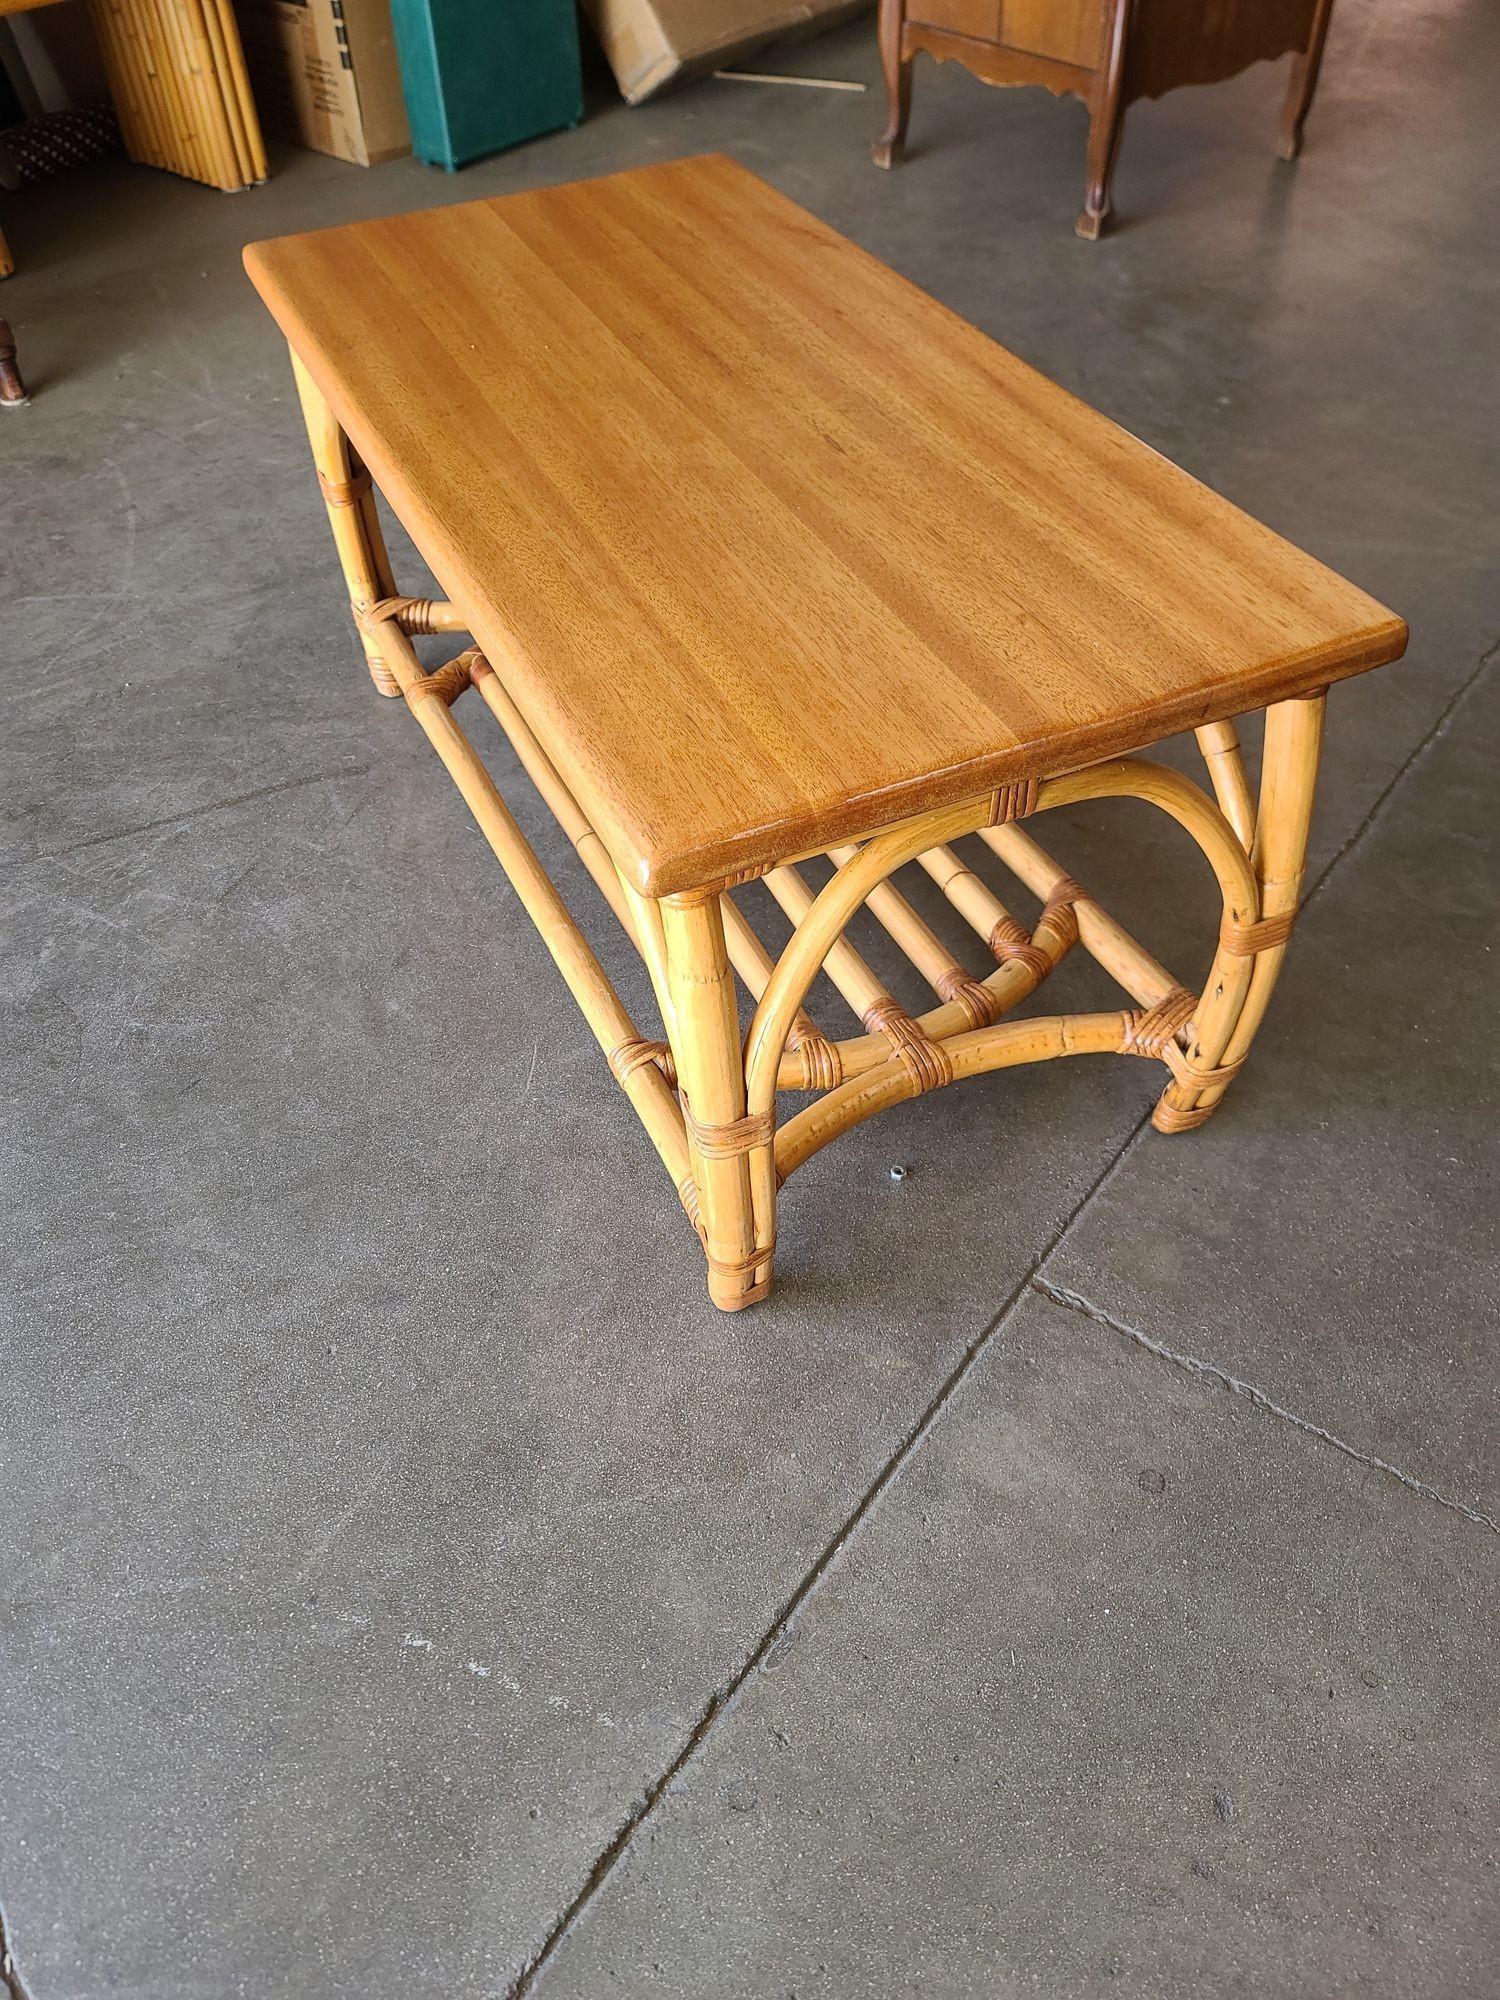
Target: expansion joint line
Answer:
pixel 724 1697
pixel 1193 1364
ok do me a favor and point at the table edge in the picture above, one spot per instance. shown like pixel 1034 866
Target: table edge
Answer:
pixel 667 871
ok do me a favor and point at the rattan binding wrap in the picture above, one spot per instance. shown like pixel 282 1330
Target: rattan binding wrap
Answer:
pixel 1244 940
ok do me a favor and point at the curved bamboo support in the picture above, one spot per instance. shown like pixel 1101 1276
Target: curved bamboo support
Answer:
pixel 858 986
pixel 1289 775
pixel 972 1053
pixel 1005 988
pixel 822 923
pixel 1177 796
pixel 1218 1008
pixel 817 1065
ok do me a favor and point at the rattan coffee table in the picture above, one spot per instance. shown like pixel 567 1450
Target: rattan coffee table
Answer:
pixel 767 556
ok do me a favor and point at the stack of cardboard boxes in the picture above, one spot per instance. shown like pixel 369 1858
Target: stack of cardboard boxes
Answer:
pixel 327 71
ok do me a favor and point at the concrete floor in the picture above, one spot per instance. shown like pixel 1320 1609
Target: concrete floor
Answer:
pixel 1079 1578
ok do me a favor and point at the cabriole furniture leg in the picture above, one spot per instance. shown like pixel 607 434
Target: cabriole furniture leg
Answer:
pixel 1108 53
pixel 1106 122
pixel 13 394
pixel 895 66
pixel 1304 82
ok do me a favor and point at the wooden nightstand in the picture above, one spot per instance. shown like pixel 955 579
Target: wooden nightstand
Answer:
pixel 1108 52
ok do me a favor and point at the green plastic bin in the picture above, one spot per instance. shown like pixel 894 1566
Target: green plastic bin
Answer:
pixel 480 75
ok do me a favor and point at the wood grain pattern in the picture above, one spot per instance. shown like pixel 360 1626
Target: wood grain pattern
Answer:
pixel 1176 42
pixel 769 547
pixel 993 62
pixel 1069 31
pixel 1066 30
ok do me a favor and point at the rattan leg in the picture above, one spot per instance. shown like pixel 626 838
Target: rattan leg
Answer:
pixel 1220 744
pixel 1289 774
pixel 12 383
pixel 353 519
pixel 711 1076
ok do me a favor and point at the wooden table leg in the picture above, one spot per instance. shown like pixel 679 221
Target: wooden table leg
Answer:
pixel 711 1075
pixel 1106 120
pixel 897 68
pixel 350 501
pixel 1304 81
pixel 12 388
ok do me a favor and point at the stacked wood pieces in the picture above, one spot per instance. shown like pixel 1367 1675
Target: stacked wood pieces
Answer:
pixel 177 75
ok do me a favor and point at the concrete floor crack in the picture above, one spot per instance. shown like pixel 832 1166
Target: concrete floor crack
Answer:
pixel 202 812
pixel 725 1697
pixel 1194 1364
pixel 1434 735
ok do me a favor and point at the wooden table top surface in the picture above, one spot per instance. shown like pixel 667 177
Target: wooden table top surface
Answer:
pixel 770 547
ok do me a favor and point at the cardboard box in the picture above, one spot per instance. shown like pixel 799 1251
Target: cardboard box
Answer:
pixel 326 71
pixel 651 43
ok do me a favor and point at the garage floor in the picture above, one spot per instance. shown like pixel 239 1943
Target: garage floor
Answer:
pixel 1079 1578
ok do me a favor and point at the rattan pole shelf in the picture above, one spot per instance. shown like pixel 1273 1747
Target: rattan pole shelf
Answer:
pixel 764 558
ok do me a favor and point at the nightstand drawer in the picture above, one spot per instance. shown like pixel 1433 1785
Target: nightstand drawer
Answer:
pixel 979 19
pixel 1069 31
